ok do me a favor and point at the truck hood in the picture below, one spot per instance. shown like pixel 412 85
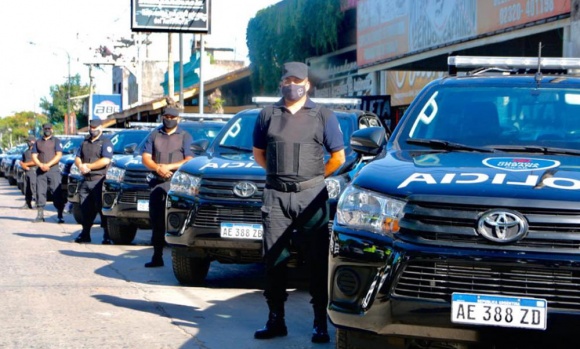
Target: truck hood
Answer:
pixel 505 175
pixel 224 164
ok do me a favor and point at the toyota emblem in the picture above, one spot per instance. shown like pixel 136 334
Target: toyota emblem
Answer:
pixel 245 189
pixel 502 226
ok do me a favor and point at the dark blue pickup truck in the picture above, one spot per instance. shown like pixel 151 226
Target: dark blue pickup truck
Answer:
pixel 466 229
pixel 214 203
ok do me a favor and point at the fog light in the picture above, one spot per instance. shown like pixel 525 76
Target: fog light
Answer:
pixel 108 200
pixel 174 220
pixel 347 281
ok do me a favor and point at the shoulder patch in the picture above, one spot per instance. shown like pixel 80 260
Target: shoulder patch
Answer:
pixel 109 149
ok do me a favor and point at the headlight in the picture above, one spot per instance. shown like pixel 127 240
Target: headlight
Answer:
pixel 60 167
pixel 115 174
pixel 74 170
pixel 335 185
pixel 368 210
pixel 183 183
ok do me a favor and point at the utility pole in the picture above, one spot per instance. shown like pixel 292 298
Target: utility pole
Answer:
pixel 170 74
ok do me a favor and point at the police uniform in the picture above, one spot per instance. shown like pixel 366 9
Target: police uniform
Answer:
pixel 295 203
pixel 29 183
pixel 48 148
pixel 91 188
pixel 164 149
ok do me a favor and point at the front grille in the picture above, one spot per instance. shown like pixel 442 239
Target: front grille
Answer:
pixel 553 226
pixel 223 189
pixel 436 280
pixel 136 177
pixel 212 216
pixel 131 197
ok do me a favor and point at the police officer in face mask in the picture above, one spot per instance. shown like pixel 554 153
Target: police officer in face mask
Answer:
pixel 289 142
pixel 46 154
pixel 92 159
pixel 29 168
pixel 166 148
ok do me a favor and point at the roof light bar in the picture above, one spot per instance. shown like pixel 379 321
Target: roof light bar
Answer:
pixel 514 62
pixel 332 101
pixel 143 124
pixel 198 116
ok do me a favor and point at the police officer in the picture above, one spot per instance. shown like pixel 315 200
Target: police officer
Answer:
pixel 289 142
pixel 92 159
pixel 29 168
pixel 46 154
pixel 166 148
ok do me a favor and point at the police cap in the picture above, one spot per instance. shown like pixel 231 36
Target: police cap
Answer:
pixel 96 122
pixel 47 125
pixel 296 69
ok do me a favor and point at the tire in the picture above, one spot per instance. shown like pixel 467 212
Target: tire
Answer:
pixel 189 270
pixel 77 213
pixel 121 234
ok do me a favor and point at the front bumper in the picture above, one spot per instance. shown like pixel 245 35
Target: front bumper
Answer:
pixel 195 224
pixel 384 286
pixel 121 203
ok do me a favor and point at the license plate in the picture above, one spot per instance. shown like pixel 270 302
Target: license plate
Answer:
pixel 142 205
pixel 241 231
pixel 479 309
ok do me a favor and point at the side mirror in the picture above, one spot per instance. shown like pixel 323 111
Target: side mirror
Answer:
pixel 130 148
pixel 199 146
pixel 368 141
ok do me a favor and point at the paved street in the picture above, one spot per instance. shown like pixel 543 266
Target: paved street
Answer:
pixel 55 293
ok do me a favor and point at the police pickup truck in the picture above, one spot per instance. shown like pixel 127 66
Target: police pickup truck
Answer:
pixel 214 203
pixel 126 186
pixel 467 228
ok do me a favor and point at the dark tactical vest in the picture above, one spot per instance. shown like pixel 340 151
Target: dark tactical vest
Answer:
pixel 91 152
pixel 295 145
pixel 46 149
pixel 167 149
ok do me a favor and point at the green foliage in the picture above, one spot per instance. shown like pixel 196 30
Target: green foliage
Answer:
pixel 57 106
pixel 292 30
pixel 18 126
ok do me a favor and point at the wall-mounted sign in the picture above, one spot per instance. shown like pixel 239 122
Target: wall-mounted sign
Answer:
pixel 404 85
pixel 105 105
pixel 180 16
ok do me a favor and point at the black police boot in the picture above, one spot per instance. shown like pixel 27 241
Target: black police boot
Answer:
pixel 320 327
pixel 157 259
pixel 83 239
pixel 275 327
pixel 60 218
pixel 39 215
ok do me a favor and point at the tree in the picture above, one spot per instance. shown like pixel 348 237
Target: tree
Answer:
pixel 292 30
pixel 18 126
pixel 56 108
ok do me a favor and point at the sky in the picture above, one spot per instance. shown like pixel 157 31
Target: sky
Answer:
pixel 39 37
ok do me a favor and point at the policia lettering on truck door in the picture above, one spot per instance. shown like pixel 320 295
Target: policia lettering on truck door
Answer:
pixel 29 168
pixel 46 154
pixel 92 159
pixel 166 148
pixel 289 141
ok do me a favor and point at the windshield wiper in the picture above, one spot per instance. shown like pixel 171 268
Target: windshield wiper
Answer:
pixel 235 147
pixel 445 145
pixel 537 149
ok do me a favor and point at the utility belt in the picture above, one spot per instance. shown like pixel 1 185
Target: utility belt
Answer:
pixel 294 187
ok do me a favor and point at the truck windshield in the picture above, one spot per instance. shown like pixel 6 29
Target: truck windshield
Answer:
pixel 492 116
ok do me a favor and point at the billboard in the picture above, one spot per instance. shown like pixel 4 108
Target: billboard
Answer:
pixel 404 85
pixel 105 105
pixel 179 16
pixel 387 29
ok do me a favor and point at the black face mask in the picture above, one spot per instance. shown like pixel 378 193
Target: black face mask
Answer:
pixel 47 133
pixel 169 123
pixel 94 133
pixel 293 92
